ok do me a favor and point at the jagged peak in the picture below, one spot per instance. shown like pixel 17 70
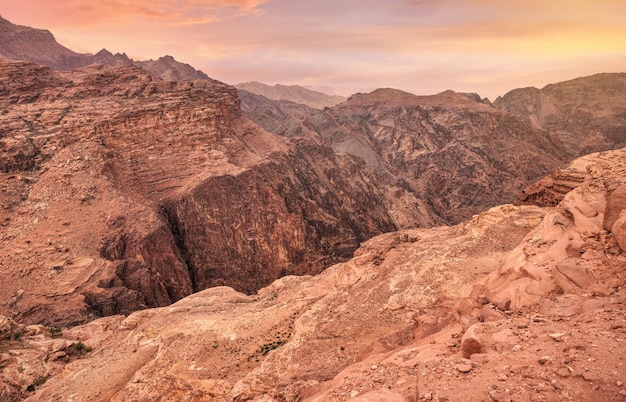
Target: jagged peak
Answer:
pixel 104 52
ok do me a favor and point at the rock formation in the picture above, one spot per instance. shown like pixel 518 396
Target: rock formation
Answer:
pixel 585 114
pixel 458 153
pixel 121 191
pixel 518 303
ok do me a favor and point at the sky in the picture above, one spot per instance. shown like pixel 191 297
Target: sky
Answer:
pixel 420 46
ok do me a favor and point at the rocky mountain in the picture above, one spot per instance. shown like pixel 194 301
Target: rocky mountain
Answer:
pixel 39 46
pixel 454 150
pixel 586 114
pixel 292 93
pixel 517 303
pixel 282 117
pixel 121 192
pixel 19 42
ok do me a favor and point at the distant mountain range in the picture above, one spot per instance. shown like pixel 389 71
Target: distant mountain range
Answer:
pixel 19 42
pixel 292 93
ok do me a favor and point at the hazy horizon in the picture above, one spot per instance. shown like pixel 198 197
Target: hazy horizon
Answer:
pixel 419 46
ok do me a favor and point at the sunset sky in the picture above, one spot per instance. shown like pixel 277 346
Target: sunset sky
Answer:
pixel 421 46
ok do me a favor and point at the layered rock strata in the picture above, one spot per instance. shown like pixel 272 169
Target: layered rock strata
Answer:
pixel 121 191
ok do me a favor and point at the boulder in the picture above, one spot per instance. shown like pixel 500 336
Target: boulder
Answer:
pixel 615 204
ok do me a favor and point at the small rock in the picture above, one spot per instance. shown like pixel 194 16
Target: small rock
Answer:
pixel 482 299
pixel 479 357
pixel 57 355
pixel 36 329
pixel 58 345
pixel 354 394
pixel 563 372
pixel 471 343
pixel 516 348
pixel 502 377
pixel 464 368
pixel 622 392
pixel 544 359
pixel 619 383
pixel 4 358
pixel 588 376
pixel 504 304
pixel 557 336
pixel 496 396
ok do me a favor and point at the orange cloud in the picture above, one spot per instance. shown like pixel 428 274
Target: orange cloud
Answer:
pixel 120 12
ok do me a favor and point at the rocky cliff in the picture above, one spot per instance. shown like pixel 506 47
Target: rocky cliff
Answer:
pixel 518 303
pixel 585 114
pixel 121 191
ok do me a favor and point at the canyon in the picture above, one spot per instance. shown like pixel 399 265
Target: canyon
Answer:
pixel 520 302
pixel 232 247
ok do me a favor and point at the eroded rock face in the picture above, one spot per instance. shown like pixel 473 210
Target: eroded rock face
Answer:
pixel 585 114
pixel 445 312
pixel 460 155
pixel 124 192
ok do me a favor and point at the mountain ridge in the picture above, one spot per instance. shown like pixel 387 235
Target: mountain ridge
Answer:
pixel 19 42
pixel 293 93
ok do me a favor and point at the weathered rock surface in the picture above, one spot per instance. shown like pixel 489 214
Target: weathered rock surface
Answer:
pixel 282 117
pixel 39 46
pixel 585 114
pixel 121 191
pixel 457 153
pixel 386 324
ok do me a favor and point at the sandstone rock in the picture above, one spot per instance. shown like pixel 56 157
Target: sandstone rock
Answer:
pixel 544 359
pixel 339 331
pixel 471 342
pixel 616 203
pixel 563 372
pixel 619 232
pixel 504 304
pixel 57 355
pixel 489 314
pixel 464 368
pixel 571 277
pixel 557 336
pixel 382 395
